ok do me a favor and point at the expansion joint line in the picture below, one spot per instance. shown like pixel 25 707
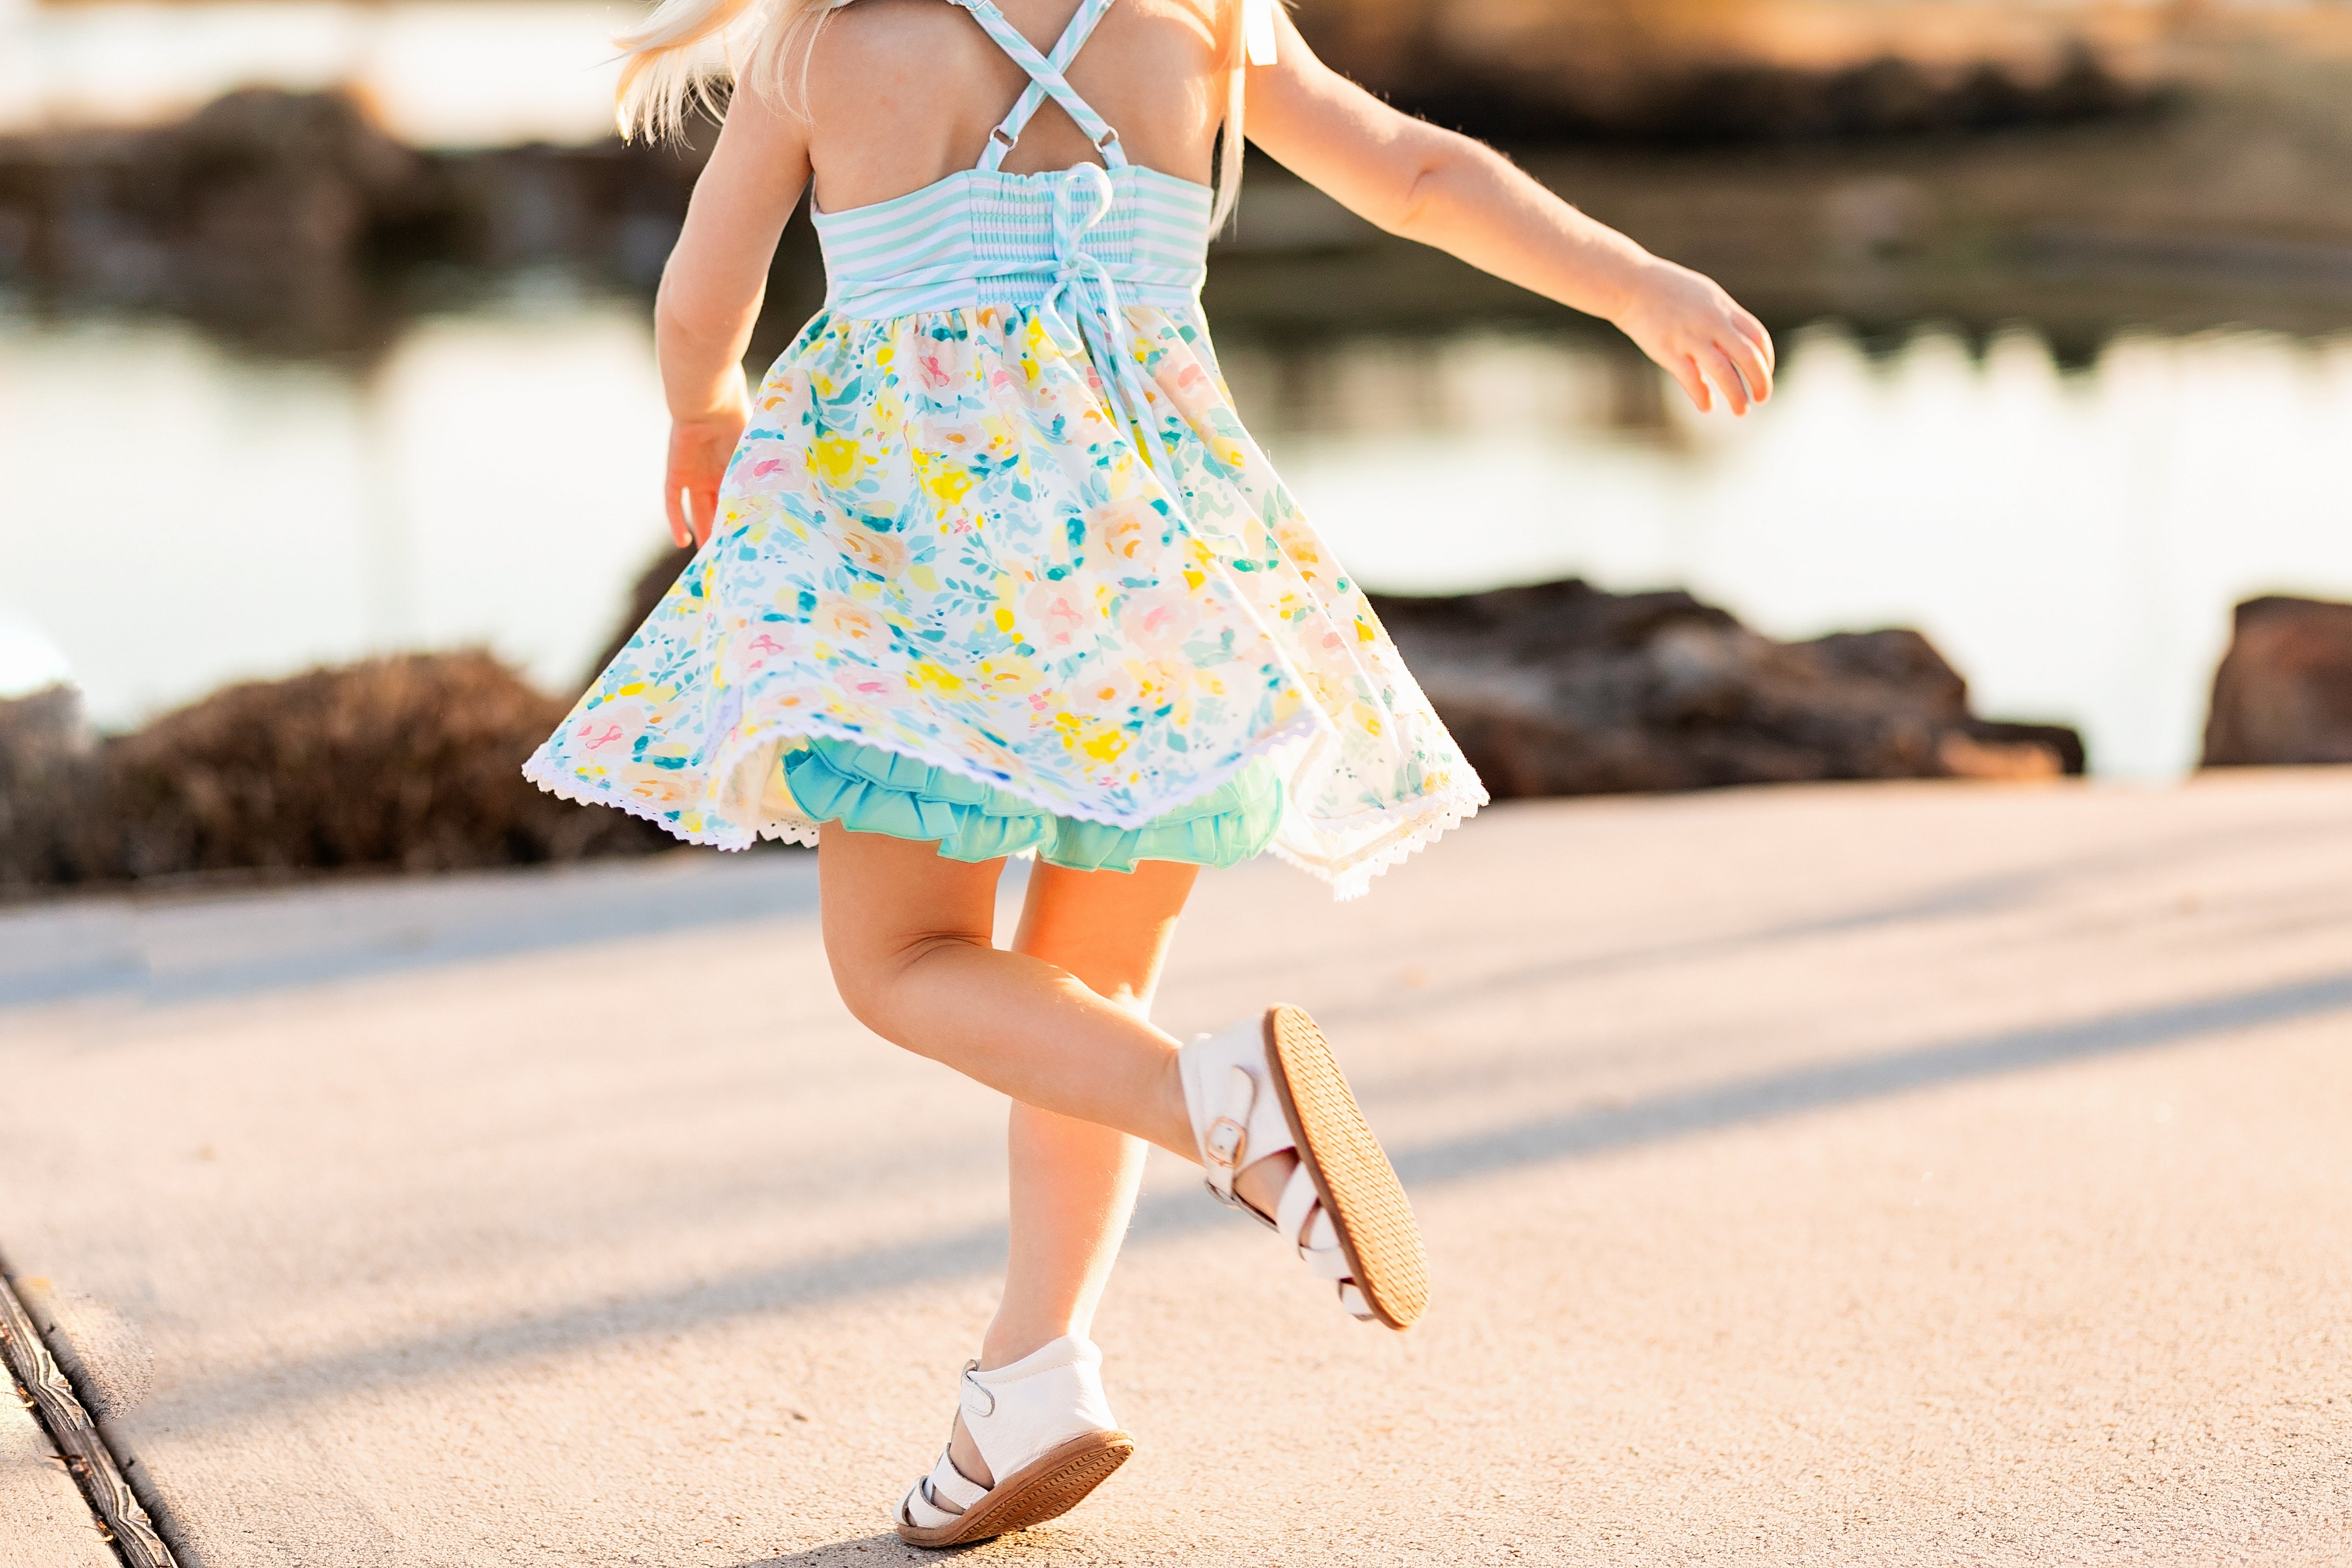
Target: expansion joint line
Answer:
pixel 60 1412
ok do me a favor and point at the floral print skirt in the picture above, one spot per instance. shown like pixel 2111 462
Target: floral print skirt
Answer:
pixel 937 538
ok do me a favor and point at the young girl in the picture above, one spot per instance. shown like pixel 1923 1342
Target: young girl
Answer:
pixel 989 567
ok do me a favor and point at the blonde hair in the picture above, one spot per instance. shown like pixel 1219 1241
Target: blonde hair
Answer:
pixel 671 60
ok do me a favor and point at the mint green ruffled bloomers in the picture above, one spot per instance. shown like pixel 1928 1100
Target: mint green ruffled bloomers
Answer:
pixel 869 790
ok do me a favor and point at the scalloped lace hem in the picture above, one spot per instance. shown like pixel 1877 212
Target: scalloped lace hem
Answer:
pixel 554 781
pixel 1348 876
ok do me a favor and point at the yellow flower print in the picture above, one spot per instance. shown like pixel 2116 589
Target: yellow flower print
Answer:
pixel 1161 683
pixel 834 457
pixel 1011 675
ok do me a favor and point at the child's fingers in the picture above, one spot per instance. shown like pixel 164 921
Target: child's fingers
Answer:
pixel 1684 370
pixel 706 512
pixel 1754 368
pixel 1753 331
pixel 673 505
pixel 1727 376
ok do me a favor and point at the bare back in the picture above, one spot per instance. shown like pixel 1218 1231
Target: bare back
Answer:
pixel 903 92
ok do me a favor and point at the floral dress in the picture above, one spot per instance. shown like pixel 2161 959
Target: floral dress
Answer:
pixel 995 540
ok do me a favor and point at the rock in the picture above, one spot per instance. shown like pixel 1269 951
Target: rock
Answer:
pixel 286 219
pixel 407 763
pixel 1566 690
pixel 1662 72
pixel 2283 692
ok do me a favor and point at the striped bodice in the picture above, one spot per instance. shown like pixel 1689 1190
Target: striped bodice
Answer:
pixel 981 237
pixel 1088 236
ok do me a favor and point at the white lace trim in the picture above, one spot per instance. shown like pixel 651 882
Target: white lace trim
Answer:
pixel 1349 875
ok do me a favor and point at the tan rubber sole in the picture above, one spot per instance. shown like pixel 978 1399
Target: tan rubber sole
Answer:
pixel 1046 1488
pixel 1352 1174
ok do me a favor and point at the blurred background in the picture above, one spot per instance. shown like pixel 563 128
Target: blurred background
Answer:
pixel 324 336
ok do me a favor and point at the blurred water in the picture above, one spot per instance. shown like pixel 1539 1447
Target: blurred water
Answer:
pixel 443 73
pixel 173 516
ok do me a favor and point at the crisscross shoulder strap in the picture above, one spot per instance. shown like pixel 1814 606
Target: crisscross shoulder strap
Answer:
pixel 1045 81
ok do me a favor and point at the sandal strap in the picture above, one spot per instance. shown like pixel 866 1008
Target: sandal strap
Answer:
pixel 1237 1118
pixel 1299 1206
pixel 922 1505
pixel 1306 1226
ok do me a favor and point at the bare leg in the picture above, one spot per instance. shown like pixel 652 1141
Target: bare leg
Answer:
pixel 1058 1023
pixel 907 935
pixel 1073 1181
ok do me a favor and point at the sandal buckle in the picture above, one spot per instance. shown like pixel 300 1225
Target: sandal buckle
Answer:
pixel 1226 1141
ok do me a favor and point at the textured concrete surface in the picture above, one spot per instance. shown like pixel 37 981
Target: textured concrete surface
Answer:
pixel 1886 1174
pixel 44 1522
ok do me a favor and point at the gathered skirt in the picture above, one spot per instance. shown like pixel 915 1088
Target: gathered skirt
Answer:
pixel 940 539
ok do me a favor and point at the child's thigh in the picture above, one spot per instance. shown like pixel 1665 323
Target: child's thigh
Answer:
pixel 1110 929
pixel 883 900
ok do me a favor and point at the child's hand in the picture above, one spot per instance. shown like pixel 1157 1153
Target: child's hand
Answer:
pixel 699 447
pixel 1698 332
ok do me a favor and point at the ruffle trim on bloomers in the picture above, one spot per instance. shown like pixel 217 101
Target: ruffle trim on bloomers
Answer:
pixel 1349 874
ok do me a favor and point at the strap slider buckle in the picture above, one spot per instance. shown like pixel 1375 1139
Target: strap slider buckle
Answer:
pixel 1226 1141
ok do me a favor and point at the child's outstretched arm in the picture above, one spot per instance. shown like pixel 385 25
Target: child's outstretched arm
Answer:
pixel 1444 189
pixel 710 294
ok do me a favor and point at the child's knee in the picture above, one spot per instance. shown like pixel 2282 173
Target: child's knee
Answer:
pixel 873 975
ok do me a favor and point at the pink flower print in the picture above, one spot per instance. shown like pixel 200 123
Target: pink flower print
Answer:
pixel 1123 527
pixel 935 375
pixel 590 736
pixel 1056 613
pixel 1156 621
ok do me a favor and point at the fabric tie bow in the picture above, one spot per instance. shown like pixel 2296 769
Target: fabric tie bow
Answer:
pixel 1081 309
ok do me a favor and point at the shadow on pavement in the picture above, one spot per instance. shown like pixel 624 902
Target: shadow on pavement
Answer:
pixel 156 950
pixel 1960 898
pixel 1580 1134
pixel 882 1547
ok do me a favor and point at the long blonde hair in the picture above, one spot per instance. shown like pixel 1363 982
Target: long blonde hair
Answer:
pixel 672 60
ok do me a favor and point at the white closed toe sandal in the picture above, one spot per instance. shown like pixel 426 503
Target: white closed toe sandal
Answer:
pixel 1272 1084
pixel 1047 1436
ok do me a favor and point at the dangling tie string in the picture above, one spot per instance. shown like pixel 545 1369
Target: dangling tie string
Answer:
pixel 1083 302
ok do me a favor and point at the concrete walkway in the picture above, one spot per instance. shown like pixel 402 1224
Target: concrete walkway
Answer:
pixel 1871 1174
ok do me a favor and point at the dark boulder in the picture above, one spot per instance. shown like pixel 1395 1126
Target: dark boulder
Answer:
pixel 290 220
pixel 1545 71
pixel 406 763
pixel 2283 692
pixel 1566 690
